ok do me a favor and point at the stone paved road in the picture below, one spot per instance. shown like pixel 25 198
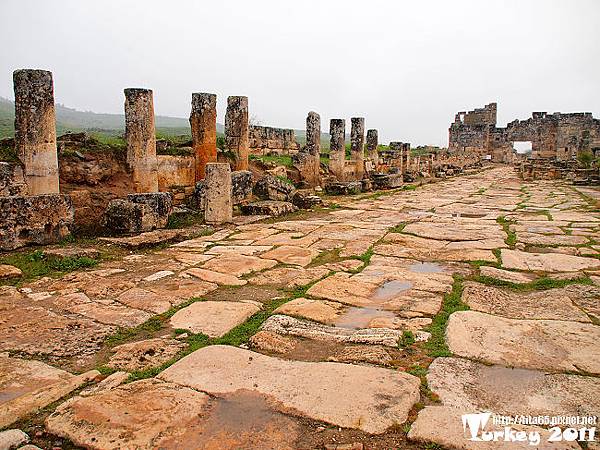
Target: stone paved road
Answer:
pixel 395 312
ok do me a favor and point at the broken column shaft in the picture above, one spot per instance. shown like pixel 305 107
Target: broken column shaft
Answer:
pixel 35 130
pixel 337 147
pixel 203 122
pixel 236 130
pixel 357 144
pixel 217 185
pixel 307 160
pixel 141 139
pixel 372 142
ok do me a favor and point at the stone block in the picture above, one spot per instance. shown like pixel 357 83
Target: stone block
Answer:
pixel 344 188
pixel 218 189
pixel 139 213
pixel 37 219
pixel 270 187
pixel 268 207
pixel 390 181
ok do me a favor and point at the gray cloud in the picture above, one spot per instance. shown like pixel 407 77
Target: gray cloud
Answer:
pixel 407 67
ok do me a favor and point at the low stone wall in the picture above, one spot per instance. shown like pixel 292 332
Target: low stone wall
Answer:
pixel 265 140
pixel 177 174
pixel 37 219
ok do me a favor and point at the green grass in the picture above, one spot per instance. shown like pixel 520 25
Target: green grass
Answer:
pixel 407 339
pixel 436 346
pixel 34 264
pixel 398 228
pixel 186 220
pixel 511 236
pixel 280 160
pixel 540 284
pixel 409 187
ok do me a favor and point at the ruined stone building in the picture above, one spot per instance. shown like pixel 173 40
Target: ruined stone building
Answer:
pixel 264 140
pixel 560 135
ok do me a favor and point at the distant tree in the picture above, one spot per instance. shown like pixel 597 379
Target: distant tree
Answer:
pixel 585 158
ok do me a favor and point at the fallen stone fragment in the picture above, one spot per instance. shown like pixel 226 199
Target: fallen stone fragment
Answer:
pixel 288 254
pixel 14 438
pixel 534 344
pixel 271 342
pixel 269 207
pixel 557 304
pixel 286 325
pixel 546 262
pixel 222 279
pixel 134 415
pixel 144 354
pixel 368 398
pixel 213 318
pixel 158 275
pixel 7 271
pixel 110 382
pixel 506 275
pixel 371 354
pixel 443 426
pixel 472 386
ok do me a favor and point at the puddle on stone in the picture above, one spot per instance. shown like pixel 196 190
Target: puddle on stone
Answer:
pixel 356 317
pixel 390 289
pixel 501 379
pixel 426 267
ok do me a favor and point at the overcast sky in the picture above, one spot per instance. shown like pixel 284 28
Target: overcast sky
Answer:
pixel 406 66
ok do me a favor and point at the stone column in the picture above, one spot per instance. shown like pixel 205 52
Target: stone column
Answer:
pixel 357 144
pixel 236 130
pixel 308 159
pixel 141 139
pixel 217 187
pixel 372 141
pixel 203 122
pixel 35 130
pixel 337 147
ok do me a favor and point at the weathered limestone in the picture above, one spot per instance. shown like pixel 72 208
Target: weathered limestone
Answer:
pixel 141 139
pixel 219 205
pixel 203 121
pixel 345 395
pixel 357 145
pixel 337 147
pixel 213 318
pixel 139 212
pixel 236 130
pixel 35 130
pixel 36 219
pixel 307 160
pixel 372 142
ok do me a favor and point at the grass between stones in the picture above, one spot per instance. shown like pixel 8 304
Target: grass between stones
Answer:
pixel 35 264
pixel 236 337
pixel 436 346
pixel 541 284
pixel 511 236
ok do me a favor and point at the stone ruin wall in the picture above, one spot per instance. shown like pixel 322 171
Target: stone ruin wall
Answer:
pixel 559 135
pixel 265 140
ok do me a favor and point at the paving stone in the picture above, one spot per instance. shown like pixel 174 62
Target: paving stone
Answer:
pixel 530 344
pixel 288 254
pixel 222 279
pixel 271 342
pixel 551 239
pixel 213 318
pixel 7 271
pixel 506 275
pixel 318 310
pixel 238 265
pixel 557 304
pixel 472 386
pixel 143 299
pixel 289 277
pixel 158 275
pixel 144 354
pixel 515 259
pixel 135 415
pixel 12 439
pixel 443 425
pixel 371 399
pixel 238 249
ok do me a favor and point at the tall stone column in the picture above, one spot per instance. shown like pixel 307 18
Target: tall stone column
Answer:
pixel 203 122
pixel 372 142
pixel 141 139
pixel 357 144
pixel 217 184
pixel 308 159
pixel 337 147
pixel 35 130
pixel 236 130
